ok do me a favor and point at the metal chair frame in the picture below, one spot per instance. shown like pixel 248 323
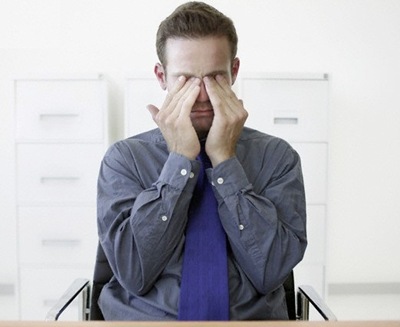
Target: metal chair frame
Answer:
pixel 305 294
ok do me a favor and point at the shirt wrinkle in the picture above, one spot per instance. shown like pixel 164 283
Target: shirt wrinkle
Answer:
pixel 155 195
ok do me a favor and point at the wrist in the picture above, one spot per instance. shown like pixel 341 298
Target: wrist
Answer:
pixel 216 159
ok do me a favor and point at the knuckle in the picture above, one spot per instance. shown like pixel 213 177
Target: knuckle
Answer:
pixel 168 121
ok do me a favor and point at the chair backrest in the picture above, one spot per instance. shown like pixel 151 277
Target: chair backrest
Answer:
pixel 290 292
pixel 103 274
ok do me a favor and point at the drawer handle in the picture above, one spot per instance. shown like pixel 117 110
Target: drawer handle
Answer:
pixel 60 242
pixel 57 116
pixel 286 120
pixel 46 179
pixel 7 289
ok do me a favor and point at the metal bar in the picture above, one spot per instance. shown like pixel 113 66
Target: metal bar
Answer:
pixel 309 295
pixel 71 293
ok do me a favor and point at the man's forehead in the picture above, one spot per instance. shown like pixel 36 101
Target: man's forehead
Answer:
pixel 208 48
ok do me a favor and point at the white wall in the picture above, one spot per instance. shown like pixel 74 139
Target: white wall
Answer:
pixel 356 41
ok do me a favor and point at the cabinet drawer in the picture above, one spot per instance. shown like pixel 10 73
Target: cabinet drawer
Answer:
pixel 314 161
pixel 57 235
pixel 60 109
pixel 41 288
pixel 294 109
pixel 141 91
pixel 57 173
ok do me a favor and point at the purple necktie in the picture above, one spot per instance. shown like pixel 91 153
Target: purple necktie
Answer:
pixel 204 285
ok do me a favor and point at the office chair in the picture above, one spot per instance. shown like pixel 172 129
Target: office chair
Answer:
pixel 298 303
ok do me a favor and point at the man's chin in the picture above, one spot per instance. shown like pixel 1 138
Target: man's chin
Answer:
pixel 202 129
pixel 202 135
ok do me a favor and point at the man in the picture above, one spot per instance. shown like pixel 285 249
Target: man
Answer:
pixel 149 195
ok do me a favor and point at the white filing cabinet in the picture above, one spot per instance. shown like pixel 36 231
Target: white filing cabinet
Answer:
pixel 140 91
pixel 295 108
pixel 61 137
pixel 291 106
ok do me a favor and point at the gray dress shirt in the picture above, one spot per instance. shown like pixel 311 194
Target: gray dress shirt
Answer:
pixel 144 194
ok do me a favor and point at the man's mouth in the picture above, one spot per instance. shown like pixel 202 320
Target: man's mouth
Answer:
pixel 202 108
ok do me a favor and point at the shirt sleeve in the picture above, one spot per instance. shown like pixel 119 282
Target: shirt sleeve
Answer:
pixel 265 220
pixel 140 225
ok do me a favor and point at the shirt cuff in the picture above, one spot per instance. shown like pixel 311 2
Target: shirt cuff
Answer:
pixel 228 177
pixel 180 172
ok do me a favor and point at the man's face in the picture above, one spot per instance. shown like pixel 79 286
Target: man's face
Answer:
pixel 198 58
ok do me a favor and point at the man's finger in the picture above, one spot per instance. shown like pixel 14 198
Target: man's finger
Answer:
pixel 153 111
pixel 176 88
pixel 188 100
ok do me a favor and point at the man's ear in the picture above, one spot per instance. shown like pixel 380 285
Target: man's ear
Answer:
pixel 161 76
pixel 235 69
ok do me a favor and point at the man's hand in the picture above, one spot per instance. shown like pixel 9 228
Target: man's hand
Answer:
pixel 229 119
pixel 173 118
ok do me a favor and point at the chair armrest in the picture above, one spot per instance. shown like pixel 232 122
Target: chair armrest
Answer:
pixel 307 295
pixel 79 286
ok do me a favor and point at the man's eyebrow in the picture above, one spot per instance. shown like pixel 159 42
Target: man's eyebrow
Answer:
pixel 217 72
pixel 188 75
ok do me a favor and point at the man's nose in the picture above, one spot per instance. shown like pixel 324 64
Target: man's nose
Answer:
pixel 203 96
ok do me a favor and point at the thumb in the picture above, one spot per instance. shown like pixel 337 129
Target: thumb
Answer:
pixel 153 110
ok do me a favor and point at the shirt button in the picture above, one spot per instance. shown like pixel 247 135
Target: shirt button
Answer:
pixel 241 227
pixel 191 175
pixel 220 180
pixel 164 218
pixel 183 172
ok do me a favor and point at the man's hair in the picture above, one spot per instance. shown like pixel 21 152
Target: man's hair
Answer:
pixel 194 20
